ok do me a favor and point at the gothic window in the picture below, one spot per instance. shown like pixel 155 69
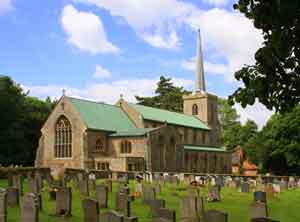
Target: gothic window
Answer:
pixel 125 146
pixel 99 145
pixel 63 138
pixel 195 109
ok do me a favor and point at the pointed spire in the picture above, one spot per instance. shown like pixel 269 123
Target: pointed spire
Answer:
pixel 200 81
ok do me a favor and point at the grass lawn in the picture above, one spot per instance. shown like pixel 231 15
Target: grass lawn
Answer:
pixel 285 207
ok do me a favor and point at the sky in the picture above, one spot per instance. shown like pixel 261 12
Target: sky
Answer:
pixel 99 49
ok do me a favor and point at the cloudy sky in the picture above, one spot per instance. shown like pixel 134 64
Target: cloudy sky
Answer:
pixel 99 49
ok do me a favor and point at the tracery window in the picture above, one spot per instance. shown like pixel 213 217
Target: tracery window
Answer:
pixel 63 138
pixel 195 109
pixel 99 145
pixel 125 146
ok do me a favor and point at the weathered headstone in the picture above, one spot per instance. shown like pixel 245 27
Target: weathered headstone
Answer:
pixel 102 195
pixel 148 193
pixel 188 209
pixel 3 205
pixel 167 214
pixel 33 185
pixel 260 196
pixel 64 201
pixel 18 183
pixel 215 216
pixel 111 216
pixel 13 197
pixel 30 208
pixel 84 186
pixel 90 210
pixel 245 188
pixel 155 205
pixel 258 210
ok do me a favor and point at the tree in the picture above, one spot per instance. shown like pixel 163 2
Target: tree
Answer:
pixel 21 119
pixel 167 96
pixel 275 78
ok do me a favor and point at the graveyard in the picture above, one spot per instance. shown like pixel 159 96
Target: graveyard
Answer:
pixel 177 197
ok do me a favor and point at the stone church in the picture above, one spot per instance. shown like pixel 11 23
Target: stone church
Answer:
pixel 130 137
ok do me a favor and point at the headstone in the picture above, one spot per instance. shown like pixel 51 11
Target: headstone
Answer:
pixel 200 206
pixel 33 185
pixel 3 205
pixel 109 185
pixel 92 184
pixel 111 216
pixel 215 216
pixel 102 196
pixel 30 208
pixel 64 201
pixel 260 196
pixel 123 201
pixel 194 191
pixel 258 210
pixel 90 210
pixel 188 209
pixel 245 187
pixel 148 193
pixel 167 214
pixel 13 197
pixel 84 186
pixel 18 183
pixel 155 205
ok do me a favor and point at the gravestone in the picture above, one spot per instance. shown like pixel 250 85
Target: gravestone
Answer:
pixel 188 209
pixel 215 216
pixel 84 186
pixel 92 184
pixel 30 208
pixel 13 198
pixel 109 185
pixel 102 195
pixel 148 193
pixel 64 201
pixel 245 188
pixel 260 196
pixel 3 205
pixel 157 188
pixel 123 201
pixel 200 206
pixel 18 183
pixel 194 191
pixel 111 216
pixel 33 185
pixel 258 210
pixel 39 180
pixel 167 214
pixel 90 210
pixel 155 205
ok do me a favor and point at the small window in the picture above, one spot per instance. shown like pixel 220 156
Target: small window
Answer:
pixel 195 109
pixel 99 145
pixel 125 146
pixel 102 166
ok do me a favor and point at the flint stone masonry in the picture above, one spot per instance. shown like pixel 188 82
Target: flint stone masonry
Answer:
pixel 30 208
pixel 3 205
pixel 215 216
pixel 13 198
pixel 64 201
pixel 102 195
pixel 90 210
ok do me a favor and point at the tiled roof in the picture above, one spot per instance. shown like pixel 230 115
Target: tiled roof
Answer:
pixel 132 132
pixel 101 116
pixel 204 148
pixel 160 115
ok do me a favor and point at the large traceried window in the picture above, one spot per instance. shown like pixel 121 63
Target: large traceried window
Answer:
pixel 63 138
pixel 195 109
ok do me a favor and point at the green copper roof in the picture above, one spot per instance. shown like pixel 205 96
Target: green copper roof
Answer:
pixel 161 115
pixel 132 132
pixel 101 116
pixel 204 148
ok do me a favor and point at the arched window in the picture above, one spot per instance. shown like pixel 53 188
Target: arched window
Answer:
pixel 195 109
pixel 99 145
pixel 125 146
pixel 63 138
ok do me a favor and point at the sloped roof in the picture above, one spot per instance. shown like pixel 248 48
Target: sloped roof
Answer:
pixel 132 132
pixel 160 115
pixel 101 116
pixel 204 148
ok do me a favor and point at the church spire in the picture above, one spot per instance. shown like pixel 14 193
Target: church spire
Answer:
pixel 200 81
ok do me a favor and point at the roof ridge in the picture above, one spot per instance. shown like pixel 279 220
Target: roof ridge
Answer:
pixel 91 101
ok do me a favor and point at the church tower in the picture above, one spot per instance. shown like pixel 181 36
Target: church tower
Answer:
pixel 202 104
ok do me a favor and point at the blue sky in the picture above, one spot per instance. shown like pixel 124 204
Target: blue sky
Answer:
pixel 99 49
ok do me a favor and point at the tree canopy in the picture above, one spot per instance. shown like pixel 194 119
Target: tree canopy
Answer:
pixel 21 118
pixel 275 78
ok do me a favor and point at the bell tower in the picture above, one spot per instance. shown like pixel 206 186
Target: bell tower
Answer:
pixel 201 104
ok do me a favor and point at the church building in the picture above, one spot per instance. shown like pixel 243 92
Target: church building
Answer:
pixel 130 137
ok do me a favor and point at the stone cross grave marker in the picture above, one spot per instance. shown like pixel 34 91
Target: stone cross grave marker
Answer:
pixel 30 208
pixel 102 196
pixel 90 210
pixel 3 205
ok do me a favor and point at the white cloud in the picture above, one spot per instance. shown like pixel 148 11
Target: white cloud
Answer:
pixel 154 21
pixel 257 112
pixel 213 68
pixel 101 72
pixel 230 35
pixel 5 6
pixel 216 2
pixel 85 31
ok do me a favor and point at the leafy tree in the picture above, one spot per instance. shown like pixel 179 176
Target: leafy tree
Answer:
pixel 21 119
pixel 275 77
pixel 167 96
